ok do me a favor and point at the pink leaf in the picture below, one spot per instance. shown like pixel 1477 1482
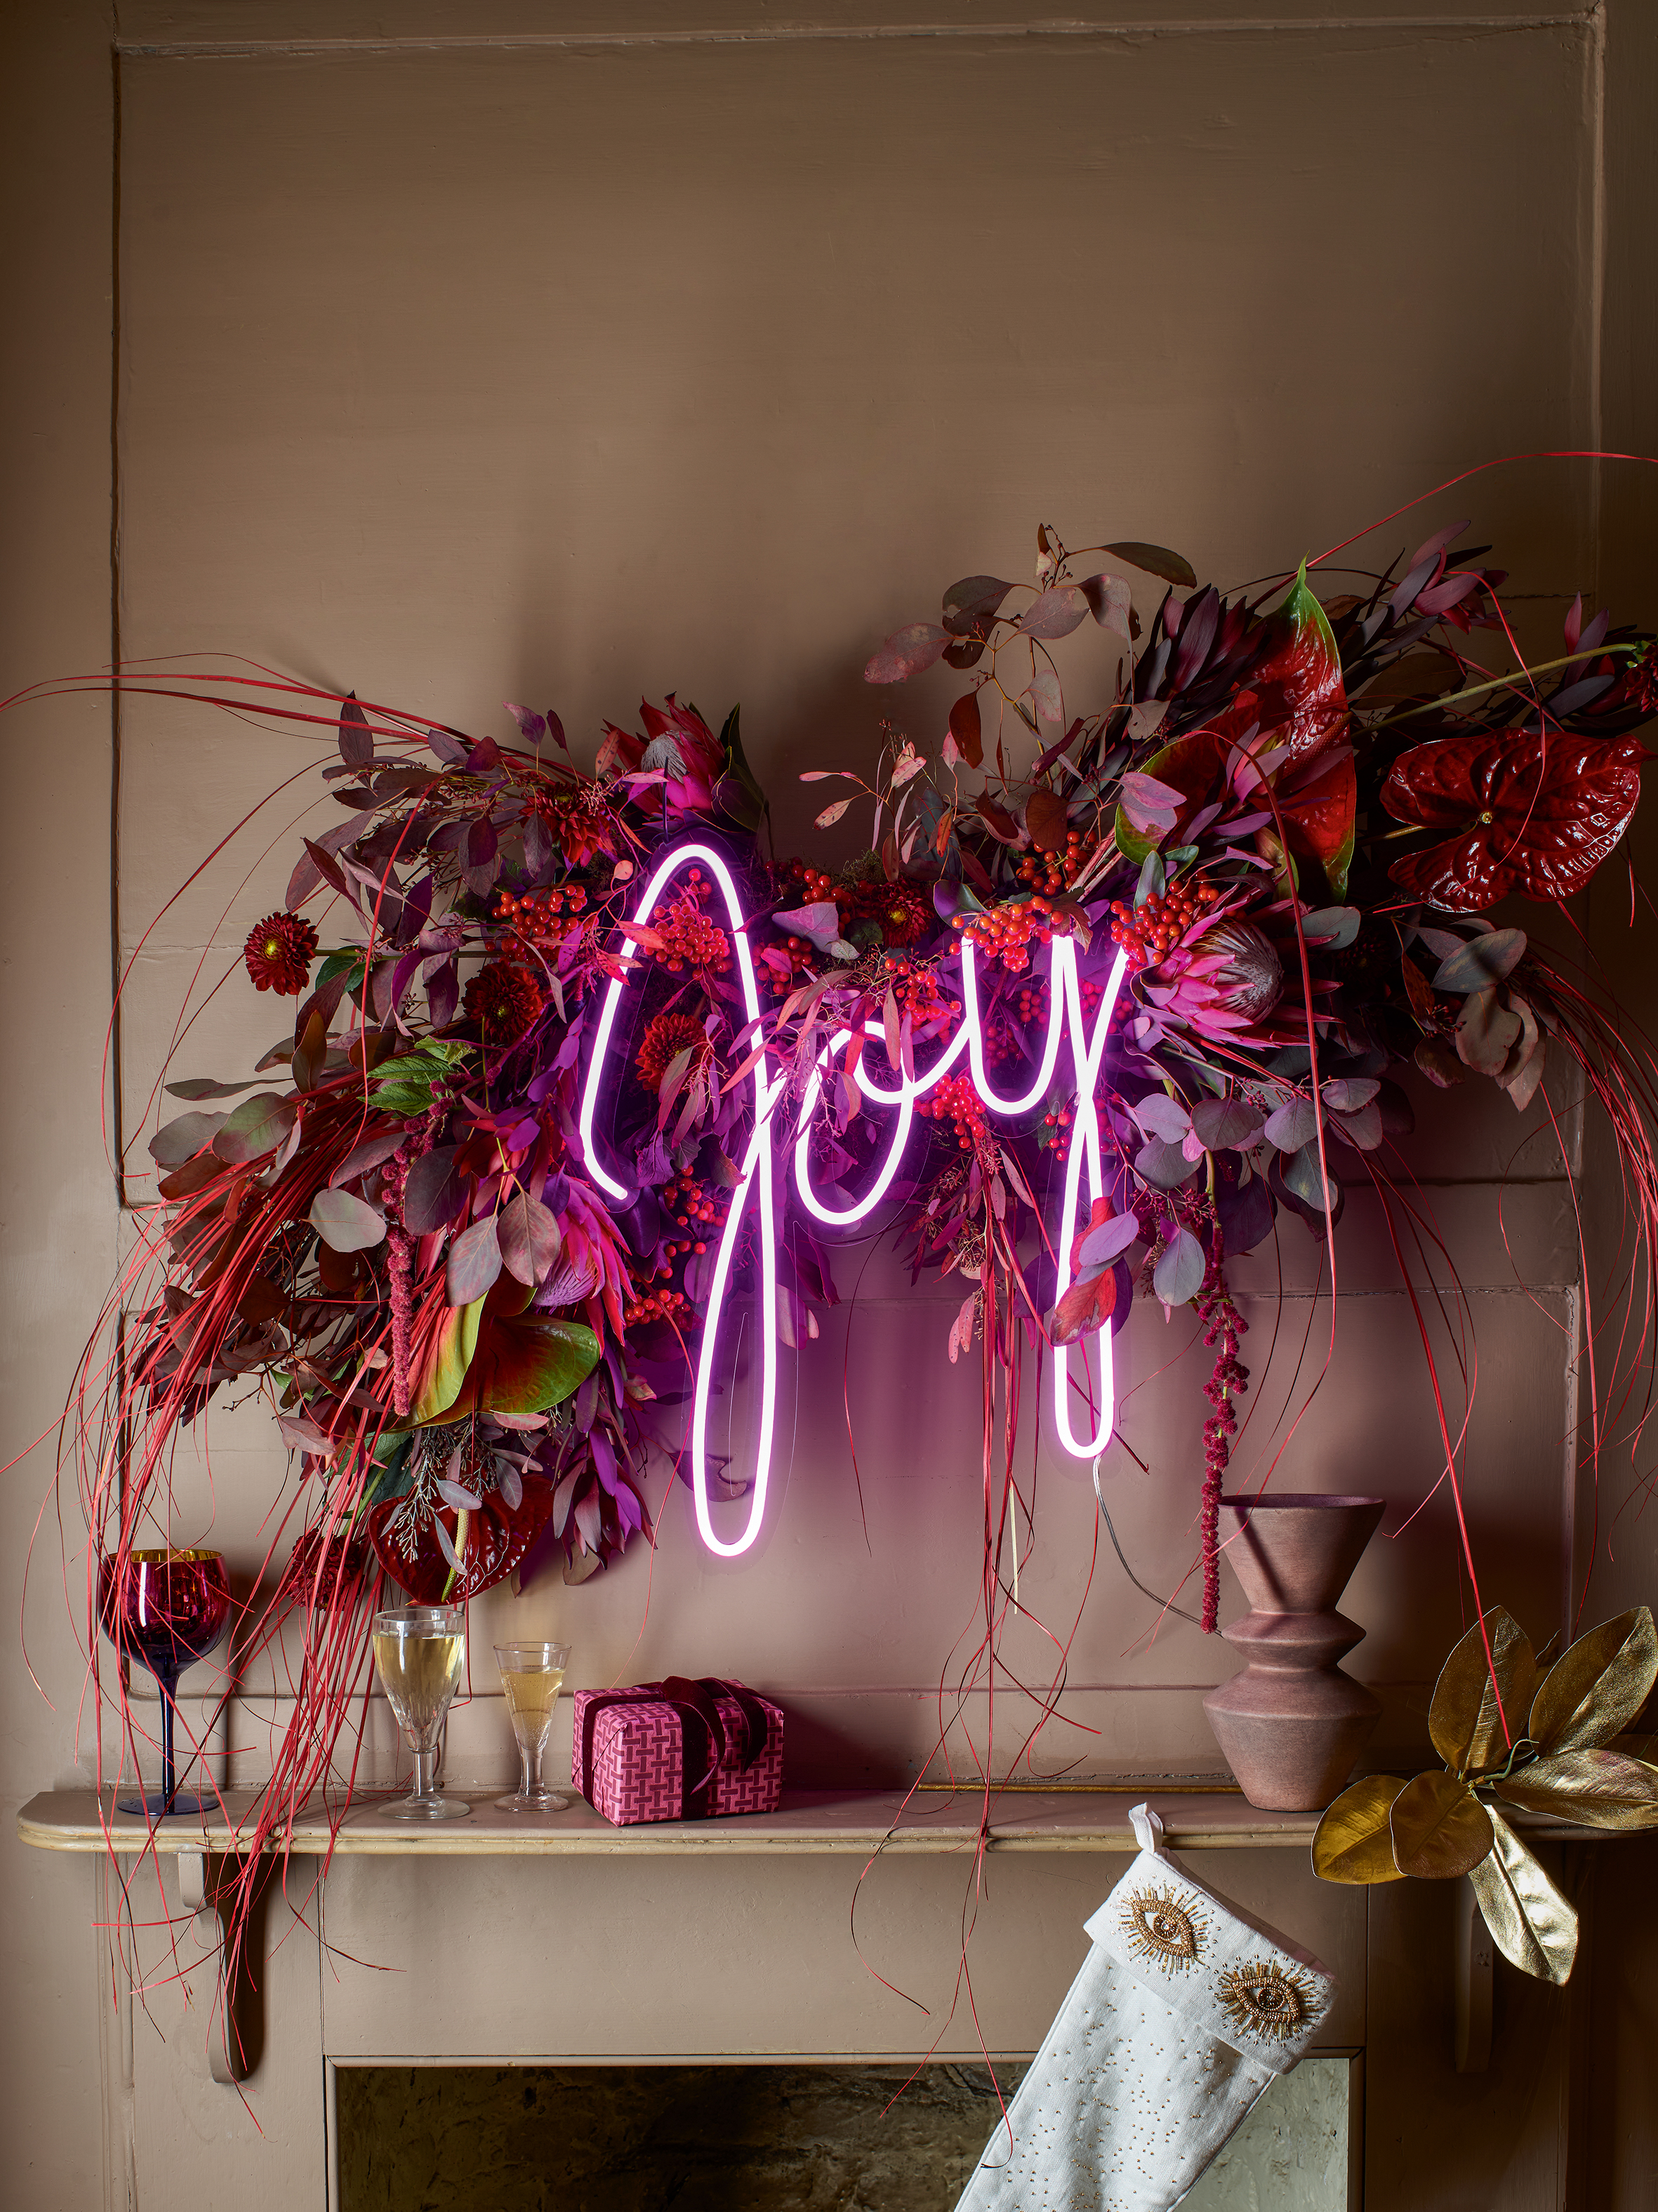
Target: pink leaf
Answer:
pixel 907 652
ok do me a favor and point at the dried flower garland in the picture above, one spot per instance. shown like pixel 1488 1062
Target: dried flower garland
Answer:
pixel 1288 815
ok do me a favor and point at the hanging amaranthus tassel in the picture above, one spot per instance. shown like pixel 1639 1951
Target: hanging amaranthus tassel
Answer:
pixel 400 1256
pixel 1222 1324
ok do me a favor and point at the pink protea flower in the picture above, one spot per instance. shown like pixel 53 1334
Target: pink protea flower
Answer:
pixel 1222 981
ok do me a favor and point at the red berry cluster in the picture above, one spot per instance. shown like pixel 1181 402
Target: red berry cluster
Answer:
pixel 914 985
pixel 1053 871
pixel 1055 1133
pixel 814 883
pixel 660 1304
pixel 956 1099
pixel 539 916
pixel 798 954
pixel 1007 932
pixel 689 940
pixel 692 1205
pixel 1147 933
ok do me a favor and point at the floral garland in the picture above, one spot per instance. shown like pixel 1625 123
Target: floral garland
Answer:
pixel 1290 816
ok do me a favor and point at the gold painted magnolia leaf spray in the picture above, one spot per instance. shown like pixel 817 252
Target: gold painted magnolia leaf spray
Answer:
pixel 1437 1827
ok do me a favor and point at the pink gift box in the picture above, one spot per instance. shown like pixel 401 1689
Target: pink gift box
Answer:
pixel 678 1750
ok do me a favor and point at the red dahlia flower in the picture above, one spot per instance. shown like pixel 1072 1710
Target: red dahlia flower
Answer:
pixel 665 1038
pixel 503 999
pixel 279 953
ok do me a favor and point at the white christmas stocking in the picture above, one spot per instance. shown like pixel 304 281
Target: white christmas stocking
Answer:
pixel 1183 2012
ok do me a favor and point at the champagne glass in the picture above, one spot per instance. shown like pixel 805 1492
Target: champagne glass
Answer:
pixel 164 1609
pixel 418 1650
pixel 532 1675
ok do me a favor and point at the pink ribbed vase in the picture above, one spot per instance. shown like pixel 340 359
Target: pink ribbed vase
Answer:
pixel 1291 1725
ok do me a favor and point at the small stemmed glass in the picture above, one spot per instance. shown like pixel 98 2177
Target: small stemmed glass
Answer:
pixel 532 1675
pixel 165 1609
pixel 418 1650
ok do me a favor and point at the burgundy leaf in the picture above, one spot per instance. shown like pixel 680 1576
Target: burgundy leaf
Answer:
pixel 356 745
pixel 431 1197
pixel 257 1126
pixel 475 1259
pixel 530 1238
pixel 1155 561
pixel 965 728
pixel 182 1138
pixel 969 605
pixel 1108 601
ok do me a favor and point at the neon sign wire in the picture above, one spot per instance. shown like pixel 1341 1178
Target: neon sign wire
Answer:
pixel 1066 1021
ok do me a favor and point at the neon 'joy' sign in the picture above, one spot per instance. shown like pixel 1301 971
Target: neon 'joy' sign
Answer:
pixel 1067 1022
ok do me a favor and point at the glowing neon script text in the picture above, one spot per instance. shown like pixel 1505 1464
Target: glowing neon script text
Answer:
pixel 1066 1019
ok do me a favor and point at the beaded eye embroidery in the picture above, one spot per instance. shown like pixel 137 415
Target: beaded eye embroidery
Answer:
pixel 1266 2001
pixel 1163 1928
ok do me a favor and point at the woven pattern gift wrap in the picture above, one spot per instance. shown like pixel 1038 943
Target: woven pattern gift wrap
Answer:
pixel 676 1750
pixel 1183 2014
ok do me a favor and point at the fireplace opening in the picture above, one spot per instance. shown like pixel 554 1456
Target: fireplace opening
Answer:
pixel 825 2137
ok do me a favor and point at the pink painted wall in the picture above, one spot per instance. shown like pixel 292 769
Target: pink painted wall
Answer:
pixel 589 354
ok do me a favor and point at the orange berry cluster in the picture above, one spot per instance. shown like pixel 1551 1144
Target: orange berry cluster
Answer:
pixel 689 940
pixel 1007 932
pixel 1147 933
pixel 538 917
pixel 956 1099
pixel 1053 871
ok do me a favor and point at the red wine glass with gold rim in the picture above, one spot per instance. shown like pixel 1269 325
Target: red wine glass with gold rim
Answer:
pixel 165 1609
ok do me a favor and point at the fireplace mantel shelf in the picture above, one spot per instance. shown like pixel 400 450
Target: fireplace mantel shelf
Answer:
pixel 808 1821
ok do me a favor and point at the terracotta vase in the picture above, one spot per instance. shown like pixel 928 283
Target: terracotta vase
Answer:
pixel 1292 1724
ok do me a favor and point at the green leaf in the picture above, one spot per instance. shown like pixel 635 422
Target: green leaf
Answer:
pixel 452 1358
pixel 523 1365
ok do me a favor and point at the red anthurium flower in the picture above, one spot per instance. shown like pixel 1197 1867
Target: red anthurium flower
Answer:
pixel 1526 811
pixel 1296 698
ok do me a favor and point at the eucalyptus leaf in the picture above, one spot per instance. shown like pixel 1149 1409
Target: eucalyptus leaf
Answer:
pixel 346 1222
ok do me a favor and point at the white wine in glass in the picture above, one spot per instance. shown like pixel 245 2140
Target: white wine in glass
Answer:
pixel 419 1651
pixel 532 1675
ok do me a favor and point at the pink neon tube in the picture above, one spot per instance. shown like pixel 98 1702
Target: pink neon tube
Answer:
pixel 1087 1056
pixel 756 1176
